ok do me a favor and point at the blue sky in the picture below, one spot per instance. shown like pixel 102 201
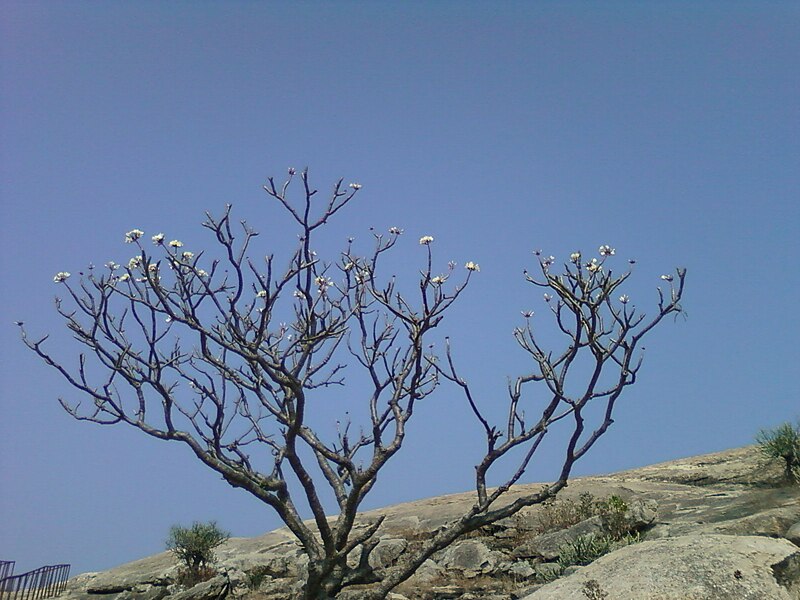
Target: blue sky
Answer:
pixel 668 130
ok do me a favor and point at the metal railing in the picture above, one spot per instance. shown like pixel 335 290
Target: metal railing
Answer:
pixel 6 568
pixel 44 582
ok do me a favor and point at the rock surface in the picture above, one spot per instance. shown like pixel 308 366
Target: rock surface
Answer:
pixel 701 567
pixel 703 517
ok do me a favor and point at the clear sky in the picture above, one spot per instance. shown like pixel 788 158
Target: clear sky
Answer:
pixel 670 130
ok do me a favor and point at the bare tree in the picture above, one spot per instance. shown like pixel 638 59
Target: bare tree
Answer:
pixel 264 341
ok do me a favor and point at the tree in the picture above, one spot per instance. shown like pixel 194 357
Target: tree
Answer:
pixel 267 341
pixel 194 547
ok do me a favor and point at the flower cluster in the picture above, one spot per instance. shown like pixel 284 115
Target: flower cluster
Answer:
pixel 355 186
pixel 425 240
pixel 438 280
pixel 158 239
pixel 187 256
pixel 323 283
pixel 606 250
pixel 593 266
pixel 575 257
pixel 133 235
pixel 667 277
pixel 395 230
pixel 262 293
pixel 471 266
pixel 135 262
pixel 547 261
pixel 61 277
pixel 624 298
pixel 176 244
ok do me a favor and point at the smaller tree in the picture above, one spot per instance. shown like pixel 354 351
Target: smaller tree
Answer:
pixel 783 442
pixel 194 546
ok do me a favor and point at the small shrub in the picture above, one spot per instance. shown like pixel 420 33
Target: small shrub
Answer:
pixel 257 575
pixel 584 550
pixel 593 591
pixel 614 512
pixel 783 442
pixel 560 514
pixel 194 546
pixel 588 548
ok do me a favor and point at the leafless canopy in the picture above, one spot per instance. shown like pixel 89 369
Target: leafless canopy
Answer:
pixel 226 360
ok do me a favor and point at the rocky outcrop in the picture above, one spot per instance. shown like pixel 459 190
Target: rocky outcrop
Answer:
pixel 701 567
pixel 702 519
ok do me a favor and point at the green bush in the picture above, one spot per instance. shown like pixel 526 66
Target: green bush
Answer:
pixel 783 442
pixel 194 546
pixel 613 510
pixel 584 550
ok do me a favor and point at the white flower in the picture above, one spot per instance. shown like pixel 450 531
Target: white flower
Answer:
pixel 298 294
pixel 292 171
pixel 575 257
pixel 61 277
pixel 624 298
pixel 322 282
pixel 112 265
pixel 187 255
pixel 176 243
pixel 546 262
pixel 594 266
pixel 133 235
pixel 262 294
pixel 134 262
pixel 201 273
pixel 527 314
pixel 471 266
pixel 158 238
pixel 395 230
pixel 349 266
pixel 606 250
pixel 355 186
pixel 152 267
pixel 547 297
pixel 124 277
pixel 425 240
pixel 667 277
pixel 438 280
